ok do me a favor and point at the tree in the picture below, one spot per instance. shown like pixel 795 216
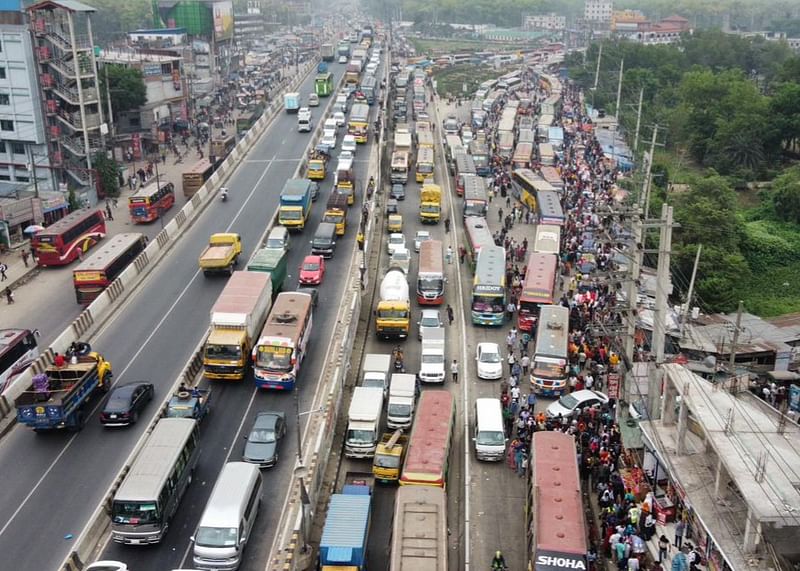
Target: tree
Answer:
pixel 126 85
pixel 107 173
pixel 786 196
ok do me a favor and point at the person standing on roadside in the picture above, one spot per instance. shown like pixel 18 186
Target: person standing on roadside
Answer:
pixel 3 270
pixel 454 370
pixel 450 313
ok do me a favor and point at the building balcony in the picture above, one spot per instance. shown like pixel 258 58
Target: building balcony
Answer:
pixel 66 67
pixel 73 120
pixel 79 173
pixel 70 94
pixel 76 146
pixel 60 39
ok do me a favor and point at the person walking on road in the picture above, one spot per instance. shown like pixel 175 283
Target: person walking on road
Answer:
pixel 450 313
pixel 25 257
pixel 449 255
pixel 447 225
pixel 3 270
pixel 680 527
pixel 454 370
pixel 9 295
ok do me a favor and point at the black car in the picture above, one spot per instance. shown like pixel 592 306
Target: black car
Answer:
pixel 312 291
pixel 125 404
pixel 398 192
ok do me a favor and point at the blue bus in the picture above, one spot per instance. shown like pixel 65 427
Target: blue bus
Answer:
pixel 489 287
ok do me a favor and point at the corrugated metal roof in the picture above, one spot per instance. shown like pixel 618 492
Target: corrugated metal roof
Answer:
pixel 346 522
pixel 71 5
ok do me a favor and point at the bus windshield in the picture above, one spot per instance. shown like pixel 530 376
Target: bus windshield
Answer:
pixel 135 513
pixel 274 358
pixel 429 284
pixel 487 304
pixel 217 536
pixel 227 352
pixel 547 370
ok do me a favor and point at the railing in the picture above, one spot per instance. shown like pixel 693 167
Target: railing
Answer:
pixel 70 94
pixel 58 38
pixel 67 67
pixel 77 147
pixel 73 120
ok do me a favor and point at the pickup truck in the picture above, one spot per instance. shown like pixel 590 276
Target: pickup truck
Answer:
pixel 56 397
pixel 389 456
pixel 222 253
pixel 189 402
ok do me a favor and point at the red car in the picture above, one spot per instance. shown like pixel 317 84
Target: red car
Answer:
pixel 312 271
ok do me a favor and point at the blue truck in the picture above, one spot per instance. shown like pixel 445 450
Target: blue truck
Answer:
pixel 344 537
pixel 295 203
pixel 56 397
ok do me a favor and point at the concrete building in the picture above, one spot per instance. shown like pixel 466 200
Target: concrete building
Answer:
pixel 551 21
pixel 23 145
pixel 249 28
pixel 730 464
pixel 634 27
pixel 598 11
pixel 64 49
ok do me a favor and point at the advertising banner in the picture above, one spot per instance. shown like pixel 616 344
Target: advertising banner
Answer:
pixel 223 20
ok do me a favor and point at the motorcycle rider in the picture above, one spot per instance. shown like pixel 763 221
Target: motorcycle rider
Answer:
pixel 224 193
pixel 499 562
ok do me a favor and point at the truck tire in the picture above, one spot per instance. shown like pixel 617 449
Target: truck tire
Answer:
pixel 79 421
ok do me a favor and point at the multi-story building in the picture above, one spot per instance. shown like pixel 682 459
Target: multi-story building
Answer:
pixel 23 146
pixel 598 11
pixel 64 50
pixel 641 30
pixel 551 21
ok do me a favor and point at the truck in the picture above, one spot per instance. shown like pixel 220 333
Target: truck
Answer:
pixel 392 316
pixel 402 139
pixel 291 102
pixel 389 456
pixel 360 54
pixel 236 320
pixel 56 397
pixel 363 422
pixel 345 182
pixel 430 204
pixel 222 253
pixel 432 361
pixel 343 48
pixel 327 52
pixel 375 372
pixel 295 203
pixel 189 402
pixel 343 545
pixel 274 261
pixel 402 397
pixel 336 212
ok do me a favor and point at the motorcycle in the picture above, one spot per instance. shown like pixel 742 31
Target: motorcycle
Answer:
pixel 397 355
pixel 223 194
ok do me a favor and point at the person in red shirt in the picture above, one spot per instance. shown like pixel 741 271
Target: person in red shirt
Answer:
pixel 59 361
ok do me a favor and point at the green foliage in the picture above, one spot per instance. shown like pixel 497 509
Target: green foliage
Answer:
pixel 786 196
pixel 126 85
pixel 108 172
pixel 72 200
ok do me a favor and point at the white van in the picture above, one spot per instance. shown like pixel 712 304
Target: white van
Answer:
pixel 304 123
pixel 489 435
pixel 278 238
pixel 402 397
pixel 228 518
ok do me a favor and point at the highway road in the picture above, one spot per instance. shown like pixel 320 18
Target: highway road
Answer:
pixel 58 479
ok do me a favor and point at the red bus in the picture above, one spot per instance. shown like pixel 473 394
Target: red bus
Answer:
pixel 539 288
pixel 150 202
pixel 429 446
pixel 58 245
pixel 555 525
pixel 95 274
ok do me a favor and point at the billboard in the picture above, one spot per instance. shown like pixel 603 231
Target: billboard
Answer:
pixel 223 20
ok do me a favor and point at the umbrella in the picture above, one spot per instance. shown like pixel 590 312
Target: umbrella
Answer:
pixel 33 229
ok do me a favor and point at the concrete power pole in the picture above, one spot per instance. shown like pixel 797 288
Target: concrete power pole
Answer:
pixel 734 344
pixel 662 284
pixel 638 121
pixel 597 69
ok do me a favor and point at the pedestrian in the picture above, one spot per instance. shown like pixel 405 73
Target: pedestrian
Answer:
pixel 447 225
pixel 3 269
pixel 510 310
pixel 449 255
pixel 680 528
pixel 499 214
pixel 109 216
pixel 450 313
pixel 454 370
pixel 525 362
pixel 462 253
pixel 663 548
pixel 511 361
pixel 9 295
pixel 25 256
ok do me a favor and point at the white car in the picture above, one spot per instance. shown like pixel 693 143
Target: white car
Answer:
pixel 420 237
pixel 349 144
pixel 400 258
pixel 304 112
pixel 313 100
pixel 396 240
pixel 571 403
pixel 331 124
pixel 467 137
pixel 339 118
pixel 107 566
pixel 428 319
pixel 346 155
pixel 490 362
pixel 329 138
pixel 342 59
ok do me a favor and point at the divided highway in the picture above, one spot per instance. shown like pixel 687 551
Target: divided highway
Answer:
pixel 53 482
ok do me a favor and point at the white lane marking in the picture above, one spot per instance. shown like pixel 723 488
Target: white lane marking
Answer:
pixel 130 364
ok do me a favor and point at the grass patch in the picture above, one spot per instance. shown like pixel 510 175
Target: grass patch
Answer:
pixel 450 81
pixel 438 47
pixel 773 292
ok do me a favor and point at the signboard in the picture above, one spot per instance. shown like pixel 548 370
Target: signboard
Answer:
pixel 613 385
pixel 223 20
pixel 794 398
pixel 555 561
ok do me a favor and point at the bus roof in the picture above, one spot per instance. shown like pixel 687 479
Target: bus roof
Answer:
pixel 478 232
pixel 419 538
pixel 430 257
pixel 68 222
pixel 540 278
pixel 359 113
pixel 425 139
pixel 560 525
pixel 287 316
pixel 425 155
pixel 155 460
pixel 475 188
pixel 429 445
pixel 149 190
pixel 109 251
pixel 464 163
pixel 549 204
pixel 553 331
pixel 200 166
pixel 491 266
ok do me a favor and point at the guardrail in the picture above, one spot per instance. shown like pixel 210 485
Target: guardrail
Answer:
pixel 99 311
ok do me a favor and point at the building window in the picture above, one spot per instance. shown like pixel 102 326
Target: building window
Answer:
pixel 23 178
pixel 18 148
pixel 2 73
pixel 5 99
pixel 6 125
pixel 2 148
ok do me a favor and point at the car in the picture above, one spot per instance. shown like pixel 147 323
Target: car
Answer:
pixel 342 59
pixel 264 439
pixel 126 402
pixel 423 116
pixel 394 223
pixel 571 403
pixel 304 112
pixel 312 291
pixel 396 240
pixel 391 207
pixel 107 566
pixel 349 144
pixel 329 138
pixel 312 271
pixel 330 125
pixel 398 192
pixel 490 362
pixel 314 191
pixel 313 100
pixel 467 137
pixel 341 103
pixel 339 118
pixel 400 258
pixel 451 126
pixel 419 238
pixel 346 155
pixel 429 319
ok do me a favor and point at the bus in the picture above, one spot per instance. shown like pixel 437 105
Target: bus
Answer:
pixel 196 177
pixel 547 155
pixel 464 166
pixel 552 176
pixel 430 278
pixel 424 164
pixel 428 453
pixel 149 495
pixel 538 289
pixel 527 185
pixel 150 202
pixel 358 125
pixel 425 140
pixel 282 344
pixel 418 99
pixel 550 211
pixel 505 144
pixel 452 145
pixel 489 287
pixel 18 349
pixel 221 147
pixel 67 239
pixel 323 84
pixel 369 87
pixel 509 79
pixel 419 530
pixel 522 156
pixel 478 236
pixel 247 120
pixel 507 123
pixel 399 173
pixel 480 157
pixel 549 364
pixel 476 198
pixel 96 273
pixel 547 239
pixel 555 527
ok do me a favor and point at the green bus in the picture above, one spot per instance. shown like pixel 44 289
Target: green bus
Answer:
pixel 323 86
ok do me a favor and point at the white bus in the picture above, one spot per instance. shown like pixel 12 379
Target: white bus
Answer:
pixel 399 167
pixel 549 366
pixel 18 349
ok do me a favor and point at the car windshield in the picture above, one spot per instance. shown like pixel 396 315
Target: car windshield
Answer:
pixel 386 461
pixel 432 359
pixel 311 266
pixel 396 240
pixel 216 536
pixel 430 321
pixel 401 410
pixel 135 513
pixel 228 352
pixel 489 356
pixel 568 402
pixel 491 438
pixel 118 402
pixel 262 436
pixel 361 436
